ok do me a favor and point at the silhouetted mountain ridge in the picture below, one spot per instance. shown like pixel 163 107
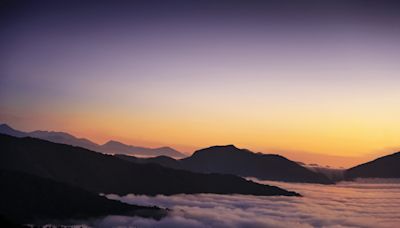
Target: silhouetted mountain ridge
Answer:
pixel 242 162
pixel 7 130
pixel 102 173
pixel 384 167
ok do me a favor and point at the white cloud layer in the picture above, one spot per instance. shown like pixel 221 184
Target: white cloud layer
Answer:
pixel 348 204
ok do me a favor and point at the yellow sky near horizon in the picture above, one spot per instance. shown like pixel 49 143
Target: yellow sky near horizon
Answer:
pixel 325 137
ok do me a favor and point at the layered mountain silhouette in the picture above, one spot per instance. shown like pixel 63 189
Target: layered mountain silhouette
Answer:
pixel 111 147
pixel 232 160
pixel 27 198
pixel 383 167
pixel 160 160
pixel 115 146
pixel 100 173
pixel 7 130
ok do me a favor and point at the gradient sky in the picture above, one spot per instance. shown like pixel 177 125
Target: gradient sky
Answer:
pixel 296 77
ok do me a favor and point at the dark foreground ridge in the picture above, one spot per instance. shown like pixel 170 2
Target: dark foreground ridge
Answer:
pixel 100 173
pixel 27 198
pixel 231 160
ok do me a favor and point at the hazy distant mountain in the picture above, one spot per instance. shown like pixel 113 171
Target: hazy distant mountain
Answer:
pixel 241 162
pixel 120 148
pixel 27 198
pixel 383 167
pixel 62 137
pixel 112 147
pixel 102 173
pixel 7 130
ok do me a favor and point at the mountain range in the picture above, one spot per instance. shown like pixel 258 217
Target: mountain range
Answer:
pixel 38 176
pixel 218 159
pixel 101 173
pixel 45 181
pixel 241 162
pixel 223 159
pixel 111 147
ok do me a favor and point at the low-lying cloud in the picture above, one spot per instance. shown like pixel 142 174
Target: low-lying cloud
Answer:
pixel 348 204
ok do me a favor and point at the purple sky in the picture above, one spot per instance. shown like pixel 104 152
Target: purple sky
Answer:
pixel 310 76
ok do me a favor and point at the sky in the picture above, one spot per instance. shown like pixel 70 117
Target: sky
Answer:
pixel 314 80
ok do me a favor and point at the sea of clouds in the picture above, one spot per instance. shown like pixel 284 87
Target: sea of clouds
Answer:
pixel 347 204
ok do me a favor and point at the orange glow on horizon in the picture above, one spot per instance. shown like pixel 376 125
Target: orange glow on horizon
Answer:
pixel 334 139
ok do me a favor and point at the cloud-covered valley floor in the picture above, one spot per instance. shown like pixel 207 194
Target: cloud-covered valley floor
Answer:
pixel 347 204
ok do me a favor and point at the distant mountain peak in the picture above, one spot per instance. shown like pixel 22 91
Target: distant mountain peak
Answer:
pixel 228 146
pixel 3 125
pixel 113 142
pixel 111 146
pixel 58 133
pixel 223 147
pixel 229 159
pixel 6 129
